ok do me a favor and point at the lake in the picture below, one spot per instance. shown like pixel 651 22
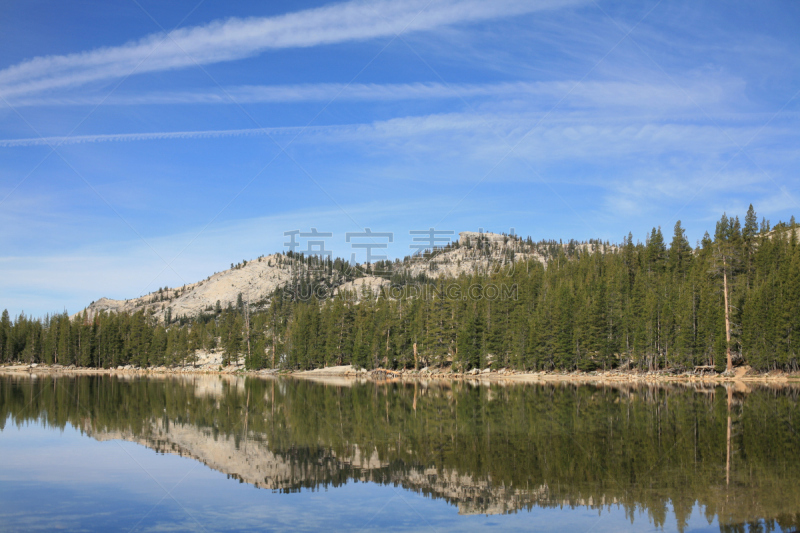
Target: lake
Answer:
pixel 232 453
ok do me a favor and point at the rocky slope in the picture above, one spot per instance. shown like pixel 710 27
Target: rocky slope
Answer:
pixel 258 279
pixel 254 280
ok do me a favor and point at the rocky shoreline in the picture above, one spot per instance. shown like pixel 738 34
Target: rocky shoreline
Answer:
pixel 740 374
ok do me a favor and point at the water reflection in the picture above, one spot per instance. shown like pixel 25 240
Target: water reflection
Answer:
pixel 485 449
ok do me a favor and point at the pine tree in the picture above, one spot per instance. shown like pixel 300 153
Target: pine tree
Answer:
pixel 5 337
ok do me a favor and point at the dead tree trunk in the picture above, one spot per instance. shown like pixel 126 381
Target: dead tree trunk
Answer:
pixel 729 365
pixel 247 327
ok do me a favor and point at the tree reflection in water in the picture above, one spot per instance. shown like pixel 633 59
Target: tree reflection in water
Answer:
pixel 485 449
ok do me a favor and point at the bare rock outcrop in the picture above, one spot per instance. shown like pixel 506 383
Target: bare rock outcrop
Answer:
pixel 257 280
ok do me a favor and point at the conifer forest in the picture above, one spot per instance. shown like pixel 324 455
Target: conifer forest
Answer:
pixel 733 298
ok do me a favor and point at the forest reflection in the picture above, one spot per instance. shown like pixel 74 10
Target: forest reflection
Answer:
pixel 486 449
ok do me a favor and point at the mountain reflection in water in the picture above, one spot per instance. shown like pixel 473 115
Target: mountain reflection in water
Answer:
pixel 486 449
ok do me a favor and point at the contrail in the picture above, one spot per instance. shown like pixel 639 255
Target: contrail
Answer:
pixel 119 137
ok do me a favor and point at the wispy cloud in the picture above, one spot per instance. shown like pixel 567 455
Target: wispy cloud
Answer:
pixel 584 94
pixel 238 38
pixel 639 116
pixel 481 136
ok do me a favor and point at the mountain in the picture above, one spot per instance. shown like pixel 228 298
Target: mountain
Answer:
pixel 257 280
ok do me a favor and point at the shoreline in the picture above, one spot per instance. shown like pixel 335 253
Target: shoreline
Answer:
pixel 742 374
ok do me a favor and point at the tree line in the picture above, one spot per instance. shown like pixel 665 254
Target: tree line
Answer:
pixel 735 297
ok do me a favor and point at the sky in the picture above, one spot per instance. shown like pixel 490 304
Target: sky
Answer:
pixel 147 144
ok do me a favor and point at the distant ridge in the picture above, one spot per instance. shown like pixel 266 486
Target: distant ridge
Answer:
pixel 257 280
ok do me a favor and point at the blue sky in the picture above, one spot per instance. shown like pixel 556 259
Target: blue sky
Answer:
pixel 146 143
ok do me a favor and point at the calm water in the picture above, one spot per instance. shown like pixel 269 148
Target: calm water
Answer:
pixel 99 453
